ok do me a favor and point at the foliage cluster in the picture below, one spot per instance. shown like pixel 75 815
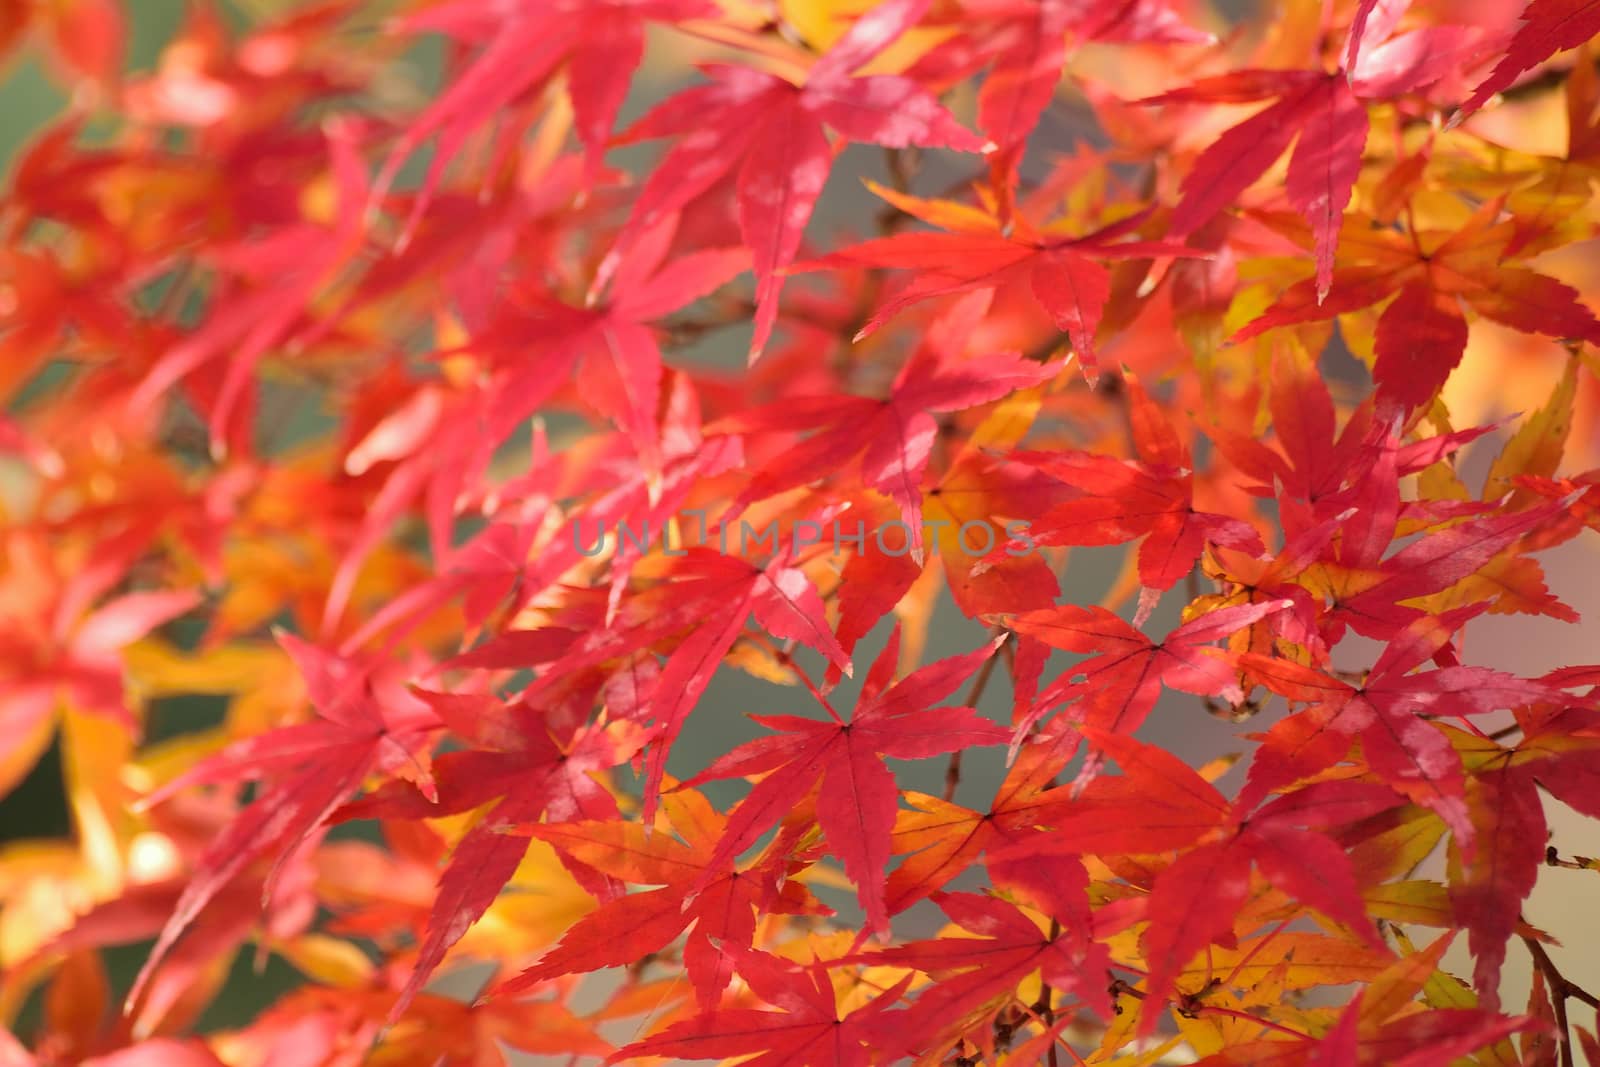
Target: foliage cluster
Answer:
pixel 332 403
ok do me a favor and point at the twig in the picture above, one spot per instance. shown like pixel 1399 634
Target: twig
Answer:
pixel 952 774
pixel 1058 1042
pixel 1046 1005
pixel 179 287
pixel 1561 988
pixel 1552 858
pixel 902 165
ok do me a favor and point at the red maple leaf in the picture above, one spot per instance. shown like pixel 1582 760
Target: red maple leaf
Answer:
pixel 1159 803
pixel 1118 684
pixel 978 251
pixel 600 42
pixel 1548 27
pixel 946 839
pixel 612 342
pixel 268 284
pixel 857 801
pixel 1152 498
pixel 1406 751
pixel 773 131
pixel 894 437
pixel 1325 114
pixel 71 655
pixel 1422 333
pixel 978 975
pixel 313 768
pixel 1559 750
pixel 722 913
pixel 525 770
pixel 807 1031
pixel 1379 1027
pixel 1025 48
pixel 724 591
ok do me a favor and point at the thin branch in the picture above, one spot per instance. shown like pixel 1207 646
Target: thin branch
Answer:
pixel 1561 988
pixel 952 774
pixel 1046 1006
pixel 1557 980
pixel 902 165
pixel 1552 858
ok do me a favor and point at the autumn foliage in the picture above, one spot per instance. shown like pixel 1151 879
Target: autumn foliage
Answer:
pixel 395 470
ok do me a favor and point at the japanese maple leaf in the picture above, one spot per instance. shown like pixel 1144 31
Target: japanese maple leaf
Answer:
pixel 1152 498
pixel 524 770
pixel 722 914
pixel 1246 579
pixel 138 914
pixel 452 446
pixel 525 43
pixel 269 285
pixel 944 839
pixel 857 801
pixel 1381 1025
pixel 1318 472
pixel 1580 495
pixel 1548 27
pixel 968 511
pixel 894 437
pixel 1422 334
pixel 485 572
pixel 50 302
pixel 1123 676
pixel 60 653
pixel 773 131
pixel 312 767
pixel 978 976
pixel 611 342
pixel 443 1031
pixel 1377 593
pixel 442 439
pixel 1425 1039
pixel 1313 459
pixel 1560 750
pixel 721 592
pixel 1324 113
pixel 1435 1038
pixel 1405 751
pixel 977 251
pixel 1373 600
pixel 437 443
pixel 807 1031
pixel 1159 803
pixel 1348 482
pixel 1024 45
pixel 703 590
pixel 977 502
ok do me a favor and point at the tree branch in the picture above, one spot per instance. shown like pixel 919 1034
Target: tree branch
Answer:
pixel 952 774
pixel 1561 988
